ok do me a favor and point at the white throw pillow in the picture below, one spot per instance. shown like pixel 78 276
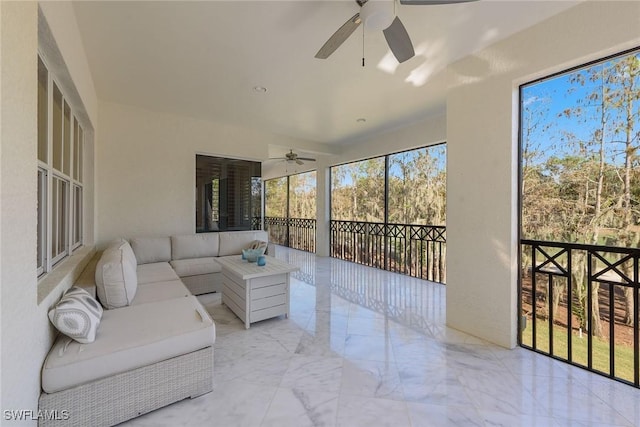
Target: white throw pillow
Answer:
pixel 257 244
pixel 116 276
pixel 77 315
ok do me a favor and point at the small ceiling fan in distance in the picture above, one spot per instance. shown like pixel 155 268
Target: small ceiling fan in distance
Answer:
pixel 374 14
pixel 293 157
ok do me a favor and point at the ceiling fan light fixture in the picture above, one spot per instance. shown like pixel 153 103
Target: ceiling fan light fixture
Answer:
pixel 377 14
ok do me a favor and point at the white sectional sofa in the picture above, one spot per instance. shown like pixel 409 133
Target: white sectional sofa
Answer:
pixel 191 256
pixel 154 343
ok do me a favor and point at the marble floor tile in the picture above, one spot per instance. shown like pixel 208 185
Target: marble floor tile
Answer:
pixel 294 407
pixel 370 378
pixel 365 347
pixel 444 415
pixel 314 373
pixel 326 345
pixel 356 411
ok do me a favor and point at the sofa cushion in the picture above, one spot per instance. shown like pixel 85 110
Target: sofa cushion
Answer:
pixel 160 291
pixel 129 338
pixel 151 249
pixel 233 242
pixel 116 278
pixel 200 245
pixel 156 272
pixel 196 266
pixel 77 315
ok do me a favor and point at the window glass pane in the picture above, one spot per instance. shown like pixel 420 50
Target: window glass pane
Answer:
pixel 55 190
pixel 276 197
pixel 43 112
pixel 60 218
pixel 76 149
pixel 357 191
pixel 63 217
pixel 224 193
pixel 256 200
pixel 66 158
pixel 57 128
pixel 77 215
pixel 80 153
pixel 580 155
pixel 302 195
pixel 417 186
pixel 41 227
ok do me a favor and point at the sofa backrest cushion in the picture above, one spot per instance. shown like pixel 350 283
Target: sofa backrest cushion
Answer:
pixel 187 246
pixel 116 277
pixel 151 249
pixel 233 242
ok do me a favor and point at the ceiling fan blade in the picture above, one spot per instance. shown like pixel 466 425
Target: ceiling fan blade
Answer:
pixel 307 159
pixel 300 162
pixel 339 37
pixel 431 2
pixel 399 41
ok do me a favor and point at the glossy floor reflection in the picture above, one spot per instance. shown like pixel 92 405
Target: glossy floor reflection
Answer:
pixel 364 347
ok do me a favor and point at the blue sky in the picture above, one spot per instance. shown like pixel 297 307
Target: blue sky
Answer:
pixel 553 96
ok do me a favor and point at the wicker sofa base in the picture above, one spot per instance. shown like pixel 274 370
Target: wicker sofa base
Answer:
pixel 118 398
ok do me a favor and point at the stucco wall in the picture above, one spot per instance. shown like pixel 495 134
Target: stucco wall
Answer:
pixel 22 349
pixel 146 167
pixel 26 334
pixel 482 123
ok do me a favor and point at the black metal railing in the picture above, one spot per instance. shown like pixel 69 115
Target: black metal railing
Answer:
pixel 256 223
pixel 415 250
pixel 295 233
pixel 579 303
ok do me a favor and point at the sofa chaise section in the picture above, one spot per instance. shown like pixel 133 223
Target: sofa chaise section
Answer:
pixel 138 336
pixel 153 346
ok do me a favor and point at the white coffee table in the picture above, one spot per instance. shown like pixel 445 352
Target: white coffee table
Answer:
pixel 255 292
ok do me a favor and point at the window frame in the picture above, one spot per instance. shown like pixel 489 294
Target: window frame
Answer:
pixel 60 178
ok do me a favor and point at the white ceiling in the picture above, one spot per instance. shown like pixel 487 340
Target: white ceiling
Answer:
pixel 203 58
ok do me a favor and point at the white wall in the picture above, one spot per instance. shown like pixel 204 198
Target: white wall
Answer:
pixel 19 314
pixel 26 335
pixel 429 131
pixel 482 123
pixel 146 167
pixel 61 19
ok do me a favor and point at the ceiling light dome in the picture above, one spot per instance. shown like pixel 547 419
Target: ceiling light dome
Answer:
pixel 377 14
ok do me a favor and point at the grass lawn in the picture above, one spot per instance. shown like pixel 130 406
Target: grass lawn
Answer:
pixel 623 354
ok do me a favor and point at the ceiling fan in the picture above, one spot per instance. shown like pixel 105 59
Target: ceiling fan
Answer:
pixel 293 157
pixel 395 32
